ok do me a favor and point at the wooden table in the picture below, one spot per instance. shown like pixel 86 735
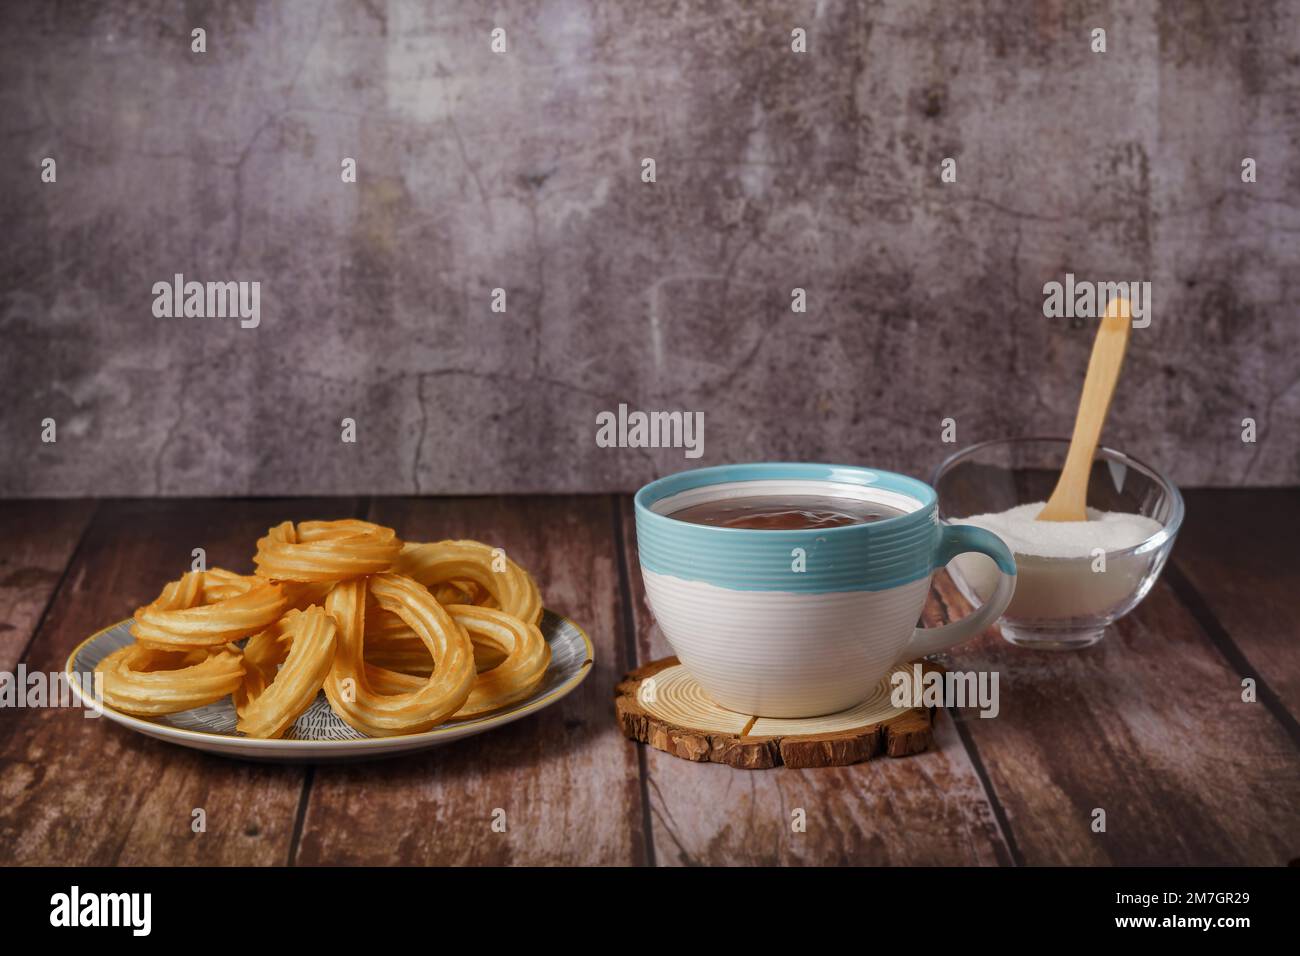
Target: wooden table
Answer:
pixel 1149 725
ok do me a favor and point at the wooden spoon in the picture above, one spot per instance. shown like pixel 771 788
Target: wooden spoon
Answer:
pixel 1069 499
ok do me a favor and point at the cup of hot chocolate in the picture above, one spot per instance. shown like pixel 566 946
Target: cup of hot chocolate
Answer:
pixel 791 590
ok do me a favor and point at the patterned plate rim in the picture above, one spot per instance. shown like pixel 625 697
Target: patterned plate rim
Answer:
pixel 258 743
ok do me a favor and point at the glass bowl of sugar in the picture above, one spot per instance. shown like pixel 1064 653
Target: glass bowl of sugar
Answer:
pixel 1073 578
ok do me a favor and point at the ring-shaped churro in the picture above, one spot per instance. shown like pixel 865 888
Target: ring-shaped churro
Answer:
pixel 436 698
pixel 220 584
pixel 149 682
pixel 459 592
pixel 392 645
pixel 438 562
pixel 395 654
pixel 284 668
pixel 208 608
pixel 314 551
pixel 527 655
pixel 395 647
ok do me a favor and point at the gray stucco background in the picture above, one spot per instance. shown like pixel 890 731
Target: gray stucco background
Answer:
pixel 775 170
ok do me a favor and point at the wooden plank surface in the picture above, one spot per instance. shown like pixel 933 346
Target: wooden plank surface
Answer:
pixel 85 791
pixel 921 810
pixel 1148 726
pixel 566 779
pixel 1238 552
pixel 37 538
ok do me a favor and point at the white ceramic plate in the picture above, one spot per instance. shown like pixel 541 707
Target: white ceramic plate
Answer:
pixel 319 735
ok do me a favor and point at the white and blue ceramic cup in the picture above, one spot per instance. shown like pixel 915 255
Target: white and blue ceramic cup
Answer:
pixel 806 622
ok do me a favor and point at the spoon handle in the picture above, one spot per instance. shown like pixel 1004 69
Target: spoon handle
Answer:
pixel 1069 499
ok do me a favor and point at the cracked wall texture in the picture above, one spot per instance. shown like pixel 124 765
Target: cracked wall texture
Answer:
pixel 521 171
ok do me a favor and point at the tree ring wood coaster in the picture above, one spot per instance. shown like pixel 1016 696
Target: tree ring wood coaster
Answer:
pixel 661 705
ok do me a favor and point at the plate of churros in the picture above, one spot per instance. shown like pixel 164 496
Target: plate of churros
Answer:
pixel 345 642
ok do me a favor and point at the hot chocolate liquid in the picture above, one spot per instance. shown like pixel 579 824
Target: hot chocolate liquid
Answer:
pixel 785 513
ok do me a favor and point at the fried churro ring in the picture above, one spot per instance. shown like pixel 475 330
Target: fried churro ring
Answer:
pixel 458 592
pixel 220 584
pixel 512 589
pixel 382 624
pixel 421 707
pixel 405 653
pixel 284 668
pixel 400 637
pixel 402 652
pixel 317 551
pixel 150 682
pixel 527 655
pixel 392 645
pixel 208 608
pixel 301 595
pixel 385 681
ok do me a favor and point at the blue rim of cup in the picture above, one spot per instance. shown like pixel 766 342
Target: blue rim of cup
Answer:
pixel 873 556
pixel 681 481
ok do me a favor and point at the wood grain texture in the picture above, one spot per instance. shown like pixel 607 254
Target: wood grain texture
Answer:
pixel 672 731
pixel 566 779
pixel 924 810
pixel 85 791
pixel 1238 551
pixel 38 539
pixel 1148 726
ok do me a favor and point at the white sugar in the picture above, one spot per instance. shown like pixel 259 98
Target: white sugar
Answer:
pixel 1058 578
pixel 1023 534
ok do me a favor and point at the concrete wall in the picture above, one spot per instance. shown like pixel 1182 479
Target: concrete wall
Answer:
pixel 522 171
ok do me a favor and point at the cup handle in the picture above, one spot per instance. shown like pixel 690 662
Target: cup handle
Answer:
pixel 957 539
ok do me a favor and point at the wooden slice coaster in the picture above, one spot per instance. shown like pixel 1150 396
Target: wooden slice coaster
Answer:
pixel 661 705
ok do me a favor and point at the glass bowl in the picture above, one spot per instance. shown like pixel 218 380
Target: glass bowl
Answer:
pixel 1060 603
